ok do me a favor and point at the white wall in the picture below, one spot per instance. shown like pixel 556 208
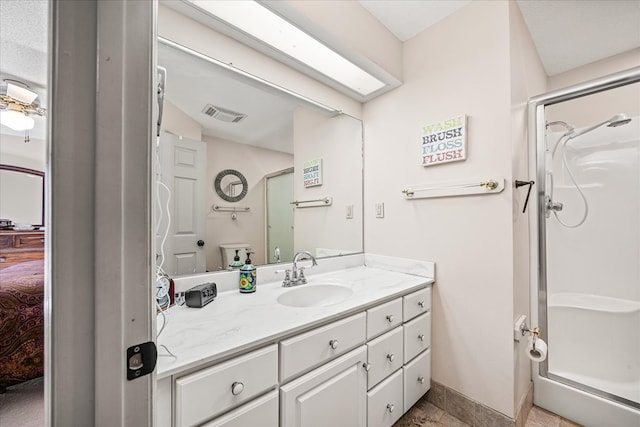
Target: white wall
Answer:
pixel 528 79
pixel 249 227
pixel 458 66
pixel 14 151
pixel 338 142
pixel 177 122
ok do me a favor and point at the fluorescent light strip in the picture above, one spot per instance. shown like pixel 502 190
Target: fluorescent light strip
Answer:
pixel 259 22
pixel 243 73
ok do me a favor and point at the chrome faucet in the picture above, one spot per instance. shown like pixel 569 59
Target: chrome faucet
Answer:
pixel 297 275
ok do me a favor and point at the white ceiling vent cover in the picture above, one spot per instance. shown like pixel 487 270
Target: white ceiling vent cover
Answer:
pixel 223 114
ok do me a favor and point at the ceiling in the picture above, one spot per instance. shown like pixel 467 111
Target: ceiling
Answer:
pixel 567 34
pixel 601 29
pixel 193 83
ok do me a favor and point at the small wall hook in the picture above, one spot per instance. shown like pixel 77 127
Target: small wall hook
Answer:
pixel 521 184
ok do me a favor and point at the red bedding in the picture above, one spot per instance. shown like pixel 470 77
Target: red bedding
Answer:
pixel 21 323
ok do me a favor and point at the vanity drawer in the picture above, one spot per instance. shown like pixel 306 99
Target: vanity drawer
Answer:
pixel 384 356
pixel 416 303
pixel 211 391
pixel 261 412
pixel 29 241
pixel 417 378
pixel 384 318
pixel 385 402
pixel 417 336
pixel 312 348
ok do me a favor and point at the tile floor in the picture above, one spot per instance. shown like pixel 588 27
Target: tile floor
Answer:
pixel 429 415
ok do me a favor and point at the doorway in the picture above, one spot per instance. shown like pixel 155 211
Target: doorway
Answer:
pixel 279 217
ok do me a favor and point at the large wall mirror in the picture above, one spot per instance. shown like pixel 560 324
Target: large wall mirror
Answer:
pixel 22 195
pixel 217 121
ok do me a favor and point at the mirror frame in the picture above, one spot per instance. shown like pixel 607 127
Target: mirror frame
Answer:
pixel 217 185
pixel 29 172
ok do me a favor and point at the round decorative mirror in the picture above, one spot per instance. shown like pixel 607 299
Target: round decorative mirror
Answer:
pixel 231 185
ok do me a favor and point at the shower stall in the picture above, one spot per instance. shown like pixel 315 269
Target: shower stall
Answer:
pixel 585 150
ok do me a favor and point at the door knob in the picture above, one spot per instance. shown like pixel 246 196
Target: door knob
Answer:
pixel 200 243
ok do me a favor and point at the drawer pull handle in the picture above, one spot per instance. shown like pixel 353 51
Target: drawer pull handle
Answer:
pixel 421 304
pixel 333 344
pixel 390 407
pixel 390 357
pixel 366 366
pixel 236 388
pixel 421 337
pixel 390 318
pixel 421 380
pixel 41 240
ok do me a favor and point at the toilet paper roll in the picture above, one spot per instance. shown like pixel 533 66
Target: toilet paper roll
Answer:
pixel 539 353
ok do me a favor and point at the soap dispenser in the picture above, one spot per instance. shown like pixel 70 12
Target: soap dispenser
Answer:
pixel 248 276
pixel 236 264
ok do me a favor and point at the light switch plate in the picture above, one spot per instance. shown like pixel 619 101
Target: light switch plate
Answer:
pixel 349 212
pixel 380 210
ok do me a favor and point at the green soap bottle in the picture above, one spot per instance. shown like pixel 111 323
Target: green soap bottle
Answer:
pixel 248 276
pixel 236 263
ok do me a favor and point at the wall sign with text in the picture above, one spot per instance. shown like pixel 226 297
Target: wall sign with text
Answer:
pixel 444 142
pixel 312 173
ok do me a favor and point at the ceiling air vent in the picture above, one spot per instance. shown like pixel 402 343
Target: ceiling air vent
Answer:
pixel 223 114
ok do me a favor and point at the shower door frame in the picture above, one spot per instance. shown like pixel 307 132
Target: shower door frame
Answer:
pixel 537 128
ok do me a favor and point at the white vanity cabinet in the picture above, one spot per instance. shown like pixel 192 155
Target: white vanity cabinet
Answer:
pixel 365 369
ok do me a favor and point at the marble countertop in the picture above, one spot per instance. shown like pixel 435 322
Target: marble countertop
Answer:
pixel 235 322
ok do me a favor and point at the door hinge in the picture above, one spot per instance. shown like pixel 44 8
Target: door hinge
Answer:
pixel 141 360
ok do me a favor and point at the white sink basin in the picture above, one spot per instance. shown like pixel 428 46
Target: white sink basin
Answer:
pixel 315 295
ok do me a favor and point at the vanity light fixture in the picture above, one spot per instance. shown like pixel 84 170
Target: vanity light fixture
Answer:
pixel 243 73
pixel 259 22
pixel 17 104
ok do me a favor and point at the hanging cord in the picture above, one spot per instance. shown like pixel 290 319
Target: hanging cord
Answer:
pixel 562 142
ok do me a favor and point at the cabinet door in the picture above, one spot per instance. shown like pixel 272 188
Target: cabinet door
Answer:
pixel 334 395
pixel 384 402
pixel 417 378
pixel 261 412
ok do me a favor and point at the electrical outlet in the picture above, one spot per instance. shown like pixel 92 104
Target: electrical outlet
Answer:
pixel 349 212
pixel 380 210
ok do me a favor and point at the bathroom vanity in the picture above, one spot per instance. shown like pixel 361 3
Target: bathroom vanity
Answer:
pixel 352 347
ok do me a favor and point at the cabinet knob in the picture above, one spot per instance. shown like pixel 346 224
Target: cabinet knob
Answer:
pixel 391 407
pixel 421 380
pixel 3 259
pixel 366 366
pixel 421 304
pixel 236 388
pixel 421 337
pixel 333 344
pixel 390 318
pixel 391 356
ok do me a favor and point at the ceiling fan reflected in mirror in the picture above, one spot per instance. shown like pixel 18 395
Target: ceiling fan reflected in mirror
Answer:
pixel 17 104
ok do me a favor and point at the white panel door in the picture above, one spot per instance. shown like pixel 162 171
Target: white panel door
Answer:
pixel 183 171
pixel 332 395
pixel 280 217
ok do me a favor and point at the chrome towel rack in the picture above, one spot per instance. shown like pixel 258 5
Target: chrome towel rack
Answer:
pixel 216 208
pixel 455 188
pixel 313 203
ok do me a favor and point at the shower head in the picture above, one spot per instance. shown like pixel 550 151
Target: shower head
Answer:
pixel 618 120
